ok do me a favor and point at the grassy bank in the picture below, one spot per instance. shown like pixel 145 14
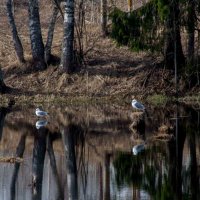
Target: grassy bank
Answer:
pixel 111 74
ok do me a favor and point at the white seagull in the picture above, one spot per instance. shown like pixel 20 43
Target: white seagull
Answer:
pixel 137 105
pixel 40 113
pixel 138 148
pixel 41 123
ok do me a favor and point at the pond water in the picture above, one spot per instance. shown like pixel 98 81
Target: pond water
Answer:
pixel 85 152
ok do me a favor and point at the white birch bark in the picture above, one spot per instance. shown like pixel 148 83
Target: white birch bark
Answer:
pixel 50 34
pixel 67 57
pixel 37 45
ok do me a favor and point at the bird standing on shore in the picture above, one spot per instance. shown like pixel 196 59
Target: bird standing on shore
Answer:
pixel 40 113
pixel 137 105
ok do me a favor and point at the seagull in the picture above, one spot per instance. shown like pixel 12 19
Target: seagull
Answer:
pixel 138 148
pixel 40 113
pixel 41 123
pixel 137 105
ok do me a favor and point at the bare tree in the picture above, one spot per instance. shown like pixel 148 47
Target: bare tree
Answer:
pixel 51 31
pixel 16 40
pixel 67 57
pixel 37 45
pixel 104 17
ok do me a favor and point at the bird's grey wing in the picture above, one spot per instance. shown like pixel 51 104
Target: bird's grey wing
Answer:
pixel 41 113
pixel 139 105
pixel 41 122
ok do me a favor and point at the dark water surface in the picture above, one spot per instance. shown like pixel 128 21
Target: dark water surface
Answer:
pixel 86 153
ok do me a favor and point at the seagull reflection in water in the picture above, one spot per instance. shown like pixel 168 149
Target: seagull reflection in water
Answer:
pixel 138 148
pixel 41 123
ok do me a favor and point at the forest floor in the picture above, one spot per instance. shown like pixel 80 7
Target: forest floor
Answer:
pixel 110 72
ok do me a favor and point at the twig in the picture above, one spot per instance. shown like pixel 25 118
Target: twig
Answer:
pixel 11 159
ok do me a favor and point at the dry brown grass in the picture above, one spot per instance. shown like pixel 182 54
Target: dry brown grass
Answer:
pixel 110 71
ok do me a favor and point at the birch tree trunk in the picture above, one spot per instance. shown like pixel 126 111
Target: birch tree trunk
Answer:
pixel 104 17
pixel 16 40
pixel 37 45
pixel 67 57
pixel 49 41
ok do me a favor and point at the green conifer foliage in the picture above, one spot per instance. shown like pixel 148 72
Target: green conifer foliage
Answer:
pixel 139 29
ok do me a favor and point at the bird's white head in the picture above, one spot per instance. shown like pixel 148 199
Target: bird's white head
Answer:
pixel 37 109
pixel 134 100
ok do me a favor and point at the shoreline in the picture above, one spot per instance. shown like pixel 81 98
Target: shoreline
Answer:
pixel 155 99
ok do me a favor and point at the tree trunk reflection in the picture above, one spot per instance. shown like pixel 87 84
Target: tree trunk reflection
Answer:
pixel 3 112
pixel 69 149
pixel 51 154
pixel 107 177
pixel 38 162
pixel 19 153
pixel 176 157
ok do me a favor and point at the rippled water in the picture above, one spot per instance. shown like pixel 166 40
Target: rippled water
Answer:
pixel 85 152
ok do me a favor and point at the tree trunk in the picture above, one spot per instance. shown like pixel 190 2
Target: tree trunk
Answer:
pixel 130 5
pixel 37 45
pixel 16 40
pixel 104 17
pixel 173 38
pixel 191 29
pixel 67 57
pixel 50 34
pixel 2 84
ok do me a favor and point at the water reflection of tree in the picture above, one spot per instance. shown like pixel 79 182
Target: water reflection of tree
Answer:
pixel 69 149
pixel 19 153
pixel 38 162
pixel 3 113
pixel 160 173
pixel 129 169
pixel 73 137
pixel 82 156
pixel 192 129
pixel 50 139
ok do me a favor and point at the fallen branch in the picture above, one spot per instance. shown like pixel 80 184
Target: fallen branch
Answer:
pixel 11 159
